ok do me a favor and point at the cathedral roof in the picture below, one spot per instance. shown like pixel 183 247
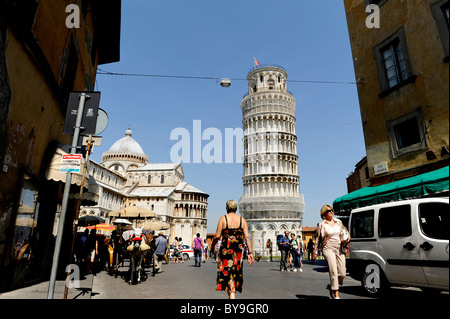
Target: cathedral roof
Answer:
pixel 152 191
pixel 125 149
pixel 163 191
pixel 127 145
pixel 185 187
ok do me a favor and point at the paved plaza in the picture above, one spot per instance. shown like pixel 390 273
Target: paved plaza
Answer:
pixel 263 280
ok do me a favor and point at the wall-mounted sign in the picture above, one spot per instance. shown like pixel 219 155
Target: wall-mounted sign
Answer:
pixel 380 168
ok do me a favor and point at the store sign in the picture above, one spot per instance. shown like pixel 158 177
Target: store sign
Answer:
pixel 70 163
pixel 380 168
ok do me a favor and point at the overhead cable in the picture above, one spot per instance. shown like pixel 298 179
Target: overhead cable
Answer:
pixel 103 72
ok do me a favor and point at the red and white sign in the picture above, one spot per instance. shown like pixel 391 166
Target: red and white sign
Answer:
pixel 70 163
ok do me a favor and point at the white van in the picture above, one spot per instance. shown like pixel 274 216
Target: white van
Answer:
pixel 404 243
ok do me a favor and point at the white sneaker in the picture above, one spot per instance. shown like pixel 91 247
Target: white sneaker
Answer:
pixel 301 270
pixel 295 270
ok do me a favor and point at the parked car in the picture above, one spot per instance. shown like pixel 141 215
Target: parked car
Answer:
pixel 186 254
pixel 403 243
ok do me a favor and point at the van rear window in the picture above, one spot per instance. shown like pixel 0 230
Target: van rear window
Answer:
pixel 395 221
pixel 362 224
pixel 433 219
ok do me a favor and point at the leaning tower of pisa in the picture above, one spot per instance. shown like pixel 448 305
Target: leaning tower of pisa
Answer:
pixel 271 202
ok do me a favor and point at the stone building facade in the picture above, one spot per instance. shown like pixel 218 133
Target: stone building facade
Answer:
pixel 41 62
pixel 403 71
pixel 126 178
pixel 271 202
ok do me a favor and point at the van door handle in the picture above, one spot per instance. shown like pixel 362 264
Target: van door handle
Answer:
pixel 409 246
pixel 426 246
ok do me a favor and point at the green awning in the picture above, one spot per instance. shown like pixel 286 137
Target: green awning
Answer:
pixel 413 187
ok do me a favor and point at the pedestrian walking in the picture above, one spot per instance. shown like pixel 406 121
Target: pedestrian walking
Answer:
pixel 216 249
pixel 92 250
pixel 295 252
pixel 329 242
pixel 310 248
pixel 269 250
pixel 180 249
pixel 197 244
pixel 175 253
pixel 81 249
pixel 205 251
pixel 233 230
pixel 284 246
pixel 161 245
pixel 300 251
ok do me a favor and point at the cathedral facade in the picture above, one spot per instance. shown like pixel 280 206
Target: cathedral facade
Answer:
pixel 125 178
pixel 271 202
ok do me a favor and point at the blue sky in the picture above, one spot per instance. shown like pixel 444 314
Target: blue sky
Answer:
pixel 210 38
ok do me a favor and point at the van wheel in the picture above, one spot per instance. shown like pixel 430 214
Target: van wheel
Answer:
pixel 185 256
pixel 374 281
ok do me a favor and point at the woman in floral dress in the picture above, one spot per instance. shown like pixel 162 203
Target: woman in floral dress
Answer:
pixel 233 230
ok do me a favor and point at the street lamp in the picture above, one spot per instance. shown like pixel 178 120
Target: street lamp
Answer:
pixel 225 82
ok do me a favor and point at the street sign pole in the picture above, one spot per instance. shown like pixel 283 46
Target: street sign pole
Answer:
pixel 73 148
pixel 77 213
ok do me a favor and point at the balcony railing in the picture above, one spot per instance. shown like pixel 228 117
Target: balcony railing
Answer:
pixel 267 65
pixel 268 91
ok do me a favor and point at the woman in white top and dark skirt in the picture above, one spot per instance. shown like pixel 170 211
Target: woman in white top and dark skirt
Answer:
pixel 332 234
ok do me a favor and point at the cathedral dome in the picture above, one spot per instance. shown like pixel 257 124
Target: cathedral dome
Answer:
pixel 125 149
pixel 126 144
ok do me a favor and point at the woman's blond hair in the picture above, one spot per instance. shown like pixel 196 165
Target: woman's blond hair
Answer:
pixel 324 209
pixel 232 205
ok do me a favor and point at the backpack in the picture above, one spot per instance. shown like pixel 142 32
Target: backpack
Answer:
pixel 83 243
pixel 279 238
pixel 295 242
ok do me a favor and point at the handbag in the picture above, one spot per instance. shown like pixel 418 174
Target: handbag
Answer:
pixel 322 240
pixel 345 238
pixel 344 235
